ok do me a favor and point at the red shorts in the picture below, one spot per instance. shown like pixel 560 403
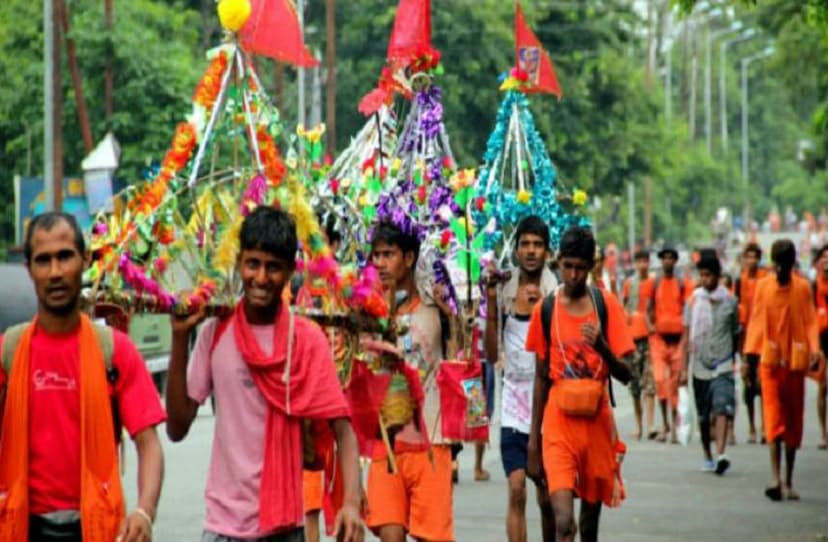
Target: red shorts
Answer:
pixel 418 496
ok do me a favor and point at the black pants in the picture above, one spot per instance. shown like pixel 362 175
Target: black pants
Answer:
pixel 43 530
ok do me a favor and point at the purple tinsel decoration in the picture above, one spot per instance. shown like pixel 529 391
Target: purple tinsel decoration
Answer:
pixel 441 276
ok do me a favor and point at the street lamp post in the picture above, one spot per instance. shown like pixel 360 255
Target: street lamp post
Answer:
pixel 749 34
pixel 708 69
pixel 745 64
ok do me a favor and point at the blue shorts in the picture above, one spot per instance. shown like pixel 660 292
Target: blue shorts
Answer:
pixel 514 447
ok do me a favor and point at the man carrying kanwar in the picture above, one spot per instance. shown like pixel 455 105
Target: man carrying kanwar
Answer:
pixel 513 304
pixel 416 499
pixel 270 371
pixel 579 336
pixel 784 332
pixel 67 386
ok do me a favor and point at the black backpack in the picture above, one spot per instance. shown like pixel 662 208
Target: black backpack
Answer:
pixel 548 309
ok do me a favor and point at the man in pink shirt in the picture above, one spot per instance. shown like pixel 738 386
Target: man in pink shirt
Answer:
pixel 268 371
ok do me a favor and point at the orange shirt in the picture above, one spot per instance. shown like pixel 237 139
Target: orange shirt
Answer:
pixel 747 289
pixel 570 356
pixel 821 285
pixel 669 302
pixel 782 317
pixel 637 316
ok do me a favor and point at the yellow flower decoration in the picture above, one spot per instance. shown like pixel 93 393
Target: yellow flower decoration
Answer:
pixel 524 196
pixel 579 197
pixel 234 13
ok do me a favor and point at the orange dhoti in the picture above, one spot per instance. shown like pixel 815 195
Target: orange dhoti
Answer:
pixel 417 497
pixel 783 404
pixel 579 453
pixel 313 489
pixel 668 363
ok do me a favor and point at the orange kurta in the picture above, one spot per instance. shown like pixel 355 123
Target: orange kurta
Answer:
pixel 579 453
pixel 783 330
pixel 747 289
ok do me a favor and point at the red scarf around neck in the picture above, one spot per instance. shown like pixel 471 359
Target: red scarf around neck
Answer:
pixel 294 389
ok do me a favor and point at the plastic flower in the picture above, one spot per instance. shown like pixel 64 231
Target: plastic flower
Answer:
pixel 524 196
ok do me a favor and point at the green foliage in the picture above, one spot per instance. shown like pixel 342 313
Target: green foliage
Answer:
pixel 156 65
pixel 607 131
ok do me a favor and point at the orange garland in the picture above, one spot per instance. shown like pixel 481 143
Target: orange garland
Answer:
pixel 181 149
pixel 271 157
pixel 208 88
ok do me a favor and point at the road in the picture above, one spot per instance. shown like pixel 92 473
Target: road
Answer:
pixel 669 499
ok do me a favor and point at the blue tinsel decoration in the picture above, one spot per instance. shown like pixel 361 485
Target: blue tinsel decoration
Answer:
pixel 504 206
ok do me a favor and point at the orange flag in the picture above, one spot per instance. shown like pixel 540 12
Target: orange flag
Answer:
pixel 411 35
pixel 532 59
pixel 273 30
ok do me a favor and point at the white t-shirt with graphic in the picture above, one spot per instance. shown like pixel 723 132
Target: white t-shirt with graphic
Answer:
pixel 518 376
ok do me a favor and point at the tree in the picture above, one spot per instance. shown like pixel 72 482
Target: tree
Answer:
pixel 156 64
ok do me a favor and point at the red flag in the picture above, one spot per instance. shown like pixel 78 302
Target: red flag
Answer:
pixel 411 35
pixel 273 30
pixel 531 57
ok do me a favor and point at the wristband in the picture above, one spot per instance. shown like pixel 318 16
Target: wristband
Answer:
pixel 143 513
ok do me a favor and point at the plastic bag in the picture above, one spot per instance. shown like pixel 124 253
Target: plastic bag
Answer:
pixel 684 426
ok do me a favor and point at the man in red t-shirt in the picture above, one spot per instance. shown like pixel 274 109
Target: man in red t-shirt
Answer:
pixel 48 390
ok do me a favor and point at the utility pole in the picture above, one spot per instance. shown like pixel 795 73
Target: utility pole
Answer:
pixel 300 76
pixel 330 83
pixel 708 83
pixel 745 64
pixel 52 109
pixel 316 95
pixel 57 111
pixel 631 217
pixel 691 108
pixel 109 75
pixel 750 33
pixel 651 57
pixel 708 91
pixel 62 13
pixel 48 105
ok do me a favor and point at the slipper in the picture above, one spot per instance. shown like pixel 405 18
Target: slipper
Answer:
pixel 751 439
pixel 652 434
pixel 661 438
pixel 482 476
pixel 790 494
pixel 774 493
pixel 822 446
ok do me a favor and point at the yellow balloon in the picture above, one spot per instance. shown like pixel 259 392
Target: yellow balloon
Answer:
pixel 234 13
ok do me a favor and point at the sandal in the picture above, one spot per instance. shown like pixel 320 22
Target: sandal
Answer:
pixel 774 493
pixel 482 476
pixel 790 494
